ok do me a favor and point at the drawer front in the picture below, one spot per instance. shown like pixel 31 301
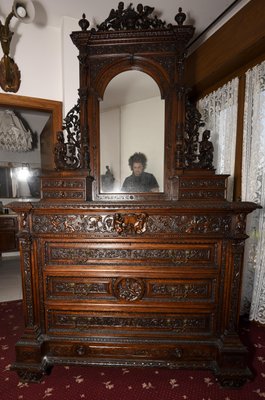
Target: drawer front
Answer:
pixel 64 194
pixel 124 253
pixel 8 241
pixel 70 189
pixel 63 183
pixel 107 322
pixel 130 289
pixel 155 351
pixel 8 223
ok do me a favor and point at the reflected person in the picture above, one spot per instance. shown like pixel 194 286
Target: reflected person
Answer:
pixel 139 180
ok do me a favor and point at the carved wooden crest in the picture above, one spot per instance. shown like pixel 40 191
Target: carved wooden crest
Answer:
pixel 130 223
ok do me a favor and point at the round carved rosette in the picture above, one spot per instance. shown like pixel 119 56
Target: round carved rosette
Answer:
pixel 128 289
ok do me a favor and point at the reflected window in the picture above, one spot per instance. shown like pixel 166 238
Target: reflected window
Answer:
pixel 131 121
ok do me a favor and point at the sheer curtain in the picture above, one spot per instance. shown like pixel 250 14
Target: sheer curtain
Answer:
pixel 253 189
pixel 219 112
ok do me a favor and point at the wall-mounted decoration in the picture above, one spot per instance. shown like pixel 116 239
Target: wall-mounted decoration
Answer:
pixel 24 11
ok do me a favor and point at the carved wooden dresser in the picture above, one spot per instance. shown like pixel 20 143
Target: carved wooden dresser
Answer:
pixel 132 279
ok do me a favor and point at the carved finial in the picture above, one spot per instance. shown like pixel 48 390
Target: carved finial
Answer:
pixel 180 17
pixel 83 23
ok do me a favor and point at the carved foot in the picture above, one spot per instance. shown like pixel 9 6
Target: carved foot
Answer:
pixel 32 373
pixel 233 379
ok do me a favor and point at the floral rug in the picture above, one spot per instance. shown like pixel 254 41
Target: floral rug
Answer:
pixel 105 383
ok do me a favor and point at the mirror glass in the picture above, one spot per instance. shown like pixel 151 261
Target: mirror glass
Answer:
pixel 132 121
pixel 20 182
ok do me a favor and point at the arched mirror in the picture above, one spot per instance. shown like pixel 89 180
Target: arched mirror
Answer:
pixel 132 119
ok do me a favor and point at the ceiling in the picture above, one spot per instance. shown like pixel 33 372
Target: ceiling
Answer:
pixel 200 13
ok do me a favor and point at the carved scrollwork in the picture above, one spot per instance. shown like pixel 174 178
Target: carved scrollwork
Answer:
pixel 182 290
pixel 180 324
pixel 67 151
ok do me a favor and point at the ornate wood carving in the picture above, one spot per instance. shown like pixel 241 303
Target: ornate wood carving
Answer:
pixel 25 243
pixel 129 18
pixel 67 149
pixel 128 289
pixel 182 290
pixel 83 256
pixel 141 279
pixel 76 322
pixel 131 224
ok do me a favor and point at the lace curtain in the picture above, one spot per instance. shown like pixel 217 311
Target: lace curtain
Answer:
pixel 219 112
pixel 253 189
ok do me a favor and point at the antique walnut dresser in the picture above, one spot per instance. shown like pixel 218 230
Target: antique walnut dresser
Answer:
pixel 132 279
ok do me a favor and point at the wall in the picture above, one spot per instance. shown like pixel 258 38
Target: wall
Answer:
pixel 37 52
pixel 70 64
pixel 110 151
pixel 47 60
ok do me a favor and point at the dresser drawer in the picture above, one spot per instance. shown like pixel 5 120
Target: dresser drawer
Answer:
pixel 8 223
pixel 154 352
pixel 170 254
pixel 8 233
pixel 130 289
pixel 82 322
pixel 64 188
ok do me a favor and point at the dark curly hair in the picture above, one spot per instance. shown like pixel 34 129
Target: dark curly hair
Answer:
pixel 138 158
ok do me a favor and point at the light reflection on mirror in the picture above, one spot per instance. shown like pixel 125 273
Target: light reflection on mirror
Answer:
pixel 131 120
pixel 19 182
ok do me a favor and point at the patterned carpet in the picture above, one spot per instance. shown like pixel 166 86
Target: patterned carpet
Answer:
pixel 99 383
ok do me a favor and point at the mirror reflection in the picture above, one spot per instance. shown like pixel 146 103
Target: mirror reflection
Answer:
pixel 132 135
pixel 19 182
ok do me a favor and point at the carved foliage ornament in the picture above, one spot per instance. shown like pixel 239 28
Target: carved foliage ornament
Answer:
pixel 67 148
pixel 131 223
pixel 128 289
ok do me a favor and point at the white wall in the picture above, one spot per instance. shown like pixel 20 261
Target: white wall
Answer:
pixel 37 52
pixel 110 153
pixel 70 64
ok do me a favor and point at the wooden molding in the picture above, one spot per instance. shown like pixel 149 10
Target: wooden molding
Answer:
pixel 54 124
pixel 36 104
pixel 234 45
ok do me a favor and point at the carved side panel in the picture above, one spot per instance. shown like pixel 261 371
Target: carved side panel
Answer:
pixel 237 254
pixel 25 243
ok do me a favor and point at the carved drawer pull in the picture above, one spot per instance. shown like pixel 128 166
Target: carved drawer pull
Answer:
pixel 80 350
pixel 178 352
